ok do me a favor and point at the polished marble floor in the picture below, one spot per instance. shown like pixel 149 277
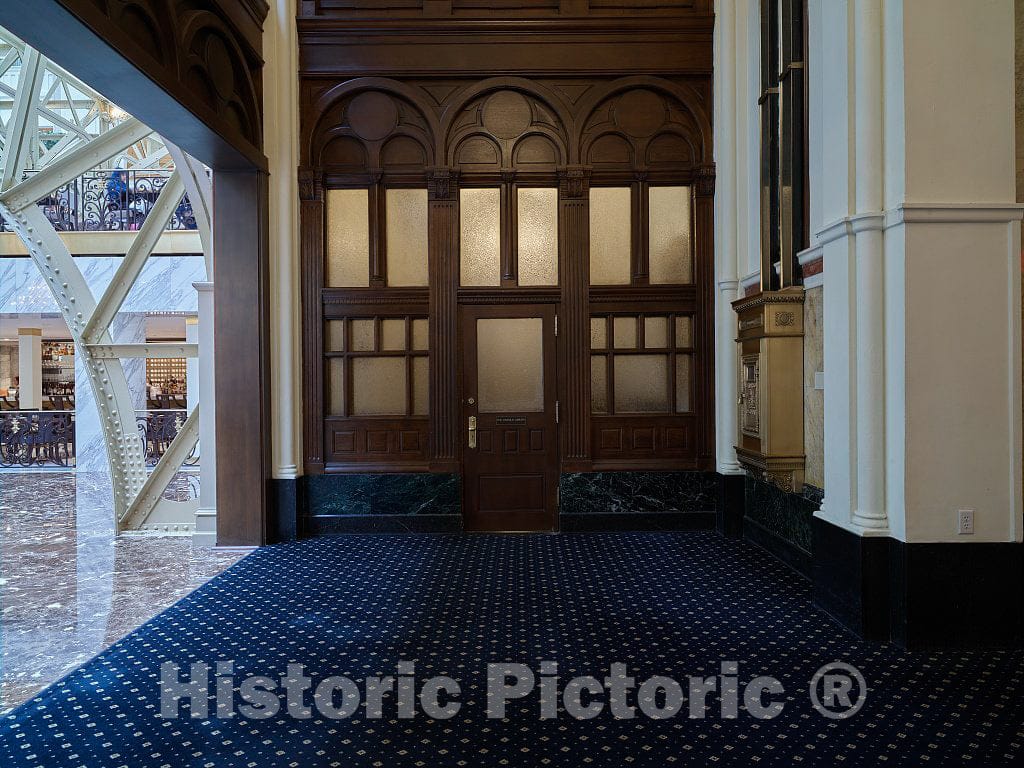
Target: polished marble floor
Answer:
pixel 68 586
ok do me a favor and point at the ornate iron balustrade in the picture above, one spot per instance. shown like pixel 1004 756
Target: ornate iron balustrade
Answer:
pixel 157 429
pixel 37 438
pixel 110 201
pixel 47 438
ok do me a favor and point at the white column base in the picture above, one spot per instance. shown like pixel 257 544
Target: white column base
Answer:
pixel 205 533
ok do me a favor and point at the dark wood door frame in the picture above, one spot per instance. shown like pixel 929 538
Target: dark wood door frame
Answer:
pixel 158 78
pixel 522 448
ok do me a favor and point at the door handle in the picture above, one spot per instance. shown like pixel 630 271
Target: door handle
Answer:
pixel 472 431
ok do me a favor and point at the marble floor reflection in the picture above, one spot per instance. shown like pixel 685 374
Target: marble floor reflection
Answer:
pixel 68 586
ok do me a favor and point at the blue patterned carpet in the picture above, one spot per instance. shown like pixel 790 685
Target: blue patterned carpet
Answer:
pixel 665 604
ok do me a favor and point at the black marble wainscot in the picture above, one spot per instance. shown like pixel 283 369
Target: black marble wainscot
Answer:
pixel 603 501
pixel 372 503
pixel 780 522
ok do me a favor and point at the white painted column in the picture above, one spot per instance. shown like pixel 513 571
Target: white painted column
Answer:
pixel 725 238
pixel 30 369
pixel 191 364
pixel 922 252
pixel 281 131
pixel 206 515
pixel 869 512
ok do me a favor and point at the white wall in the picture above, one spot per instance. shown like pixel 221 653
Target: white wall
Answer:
pixel 951 366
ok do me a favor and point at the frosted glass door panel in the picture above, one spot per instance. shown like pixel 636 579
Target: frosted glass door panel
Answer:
pixel 510 364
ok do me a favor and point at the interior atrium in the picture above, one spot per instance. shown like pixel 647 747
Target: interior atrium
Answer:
pixel 511 382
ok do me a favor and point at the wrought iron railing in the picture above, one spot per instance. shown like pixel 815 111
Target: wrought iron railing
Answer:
pixel 157 428
pixel 47 438
pixel 30 438
pixel 105 201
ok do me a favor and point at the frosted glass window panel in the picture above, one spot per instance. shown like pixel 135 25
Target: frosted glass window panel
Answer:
pixel 655 332
pixel 682 383
pixel 598 333
pixel 362 335
pixel 611 231
pixel 378 386
pixel 538 236
pixel 336 386
pixel 407 236
pixel 420 332
pixel 641 384
pixel 480 236
pixel 392 334
pixel 348 238
pixel 684 331
pixel 598 384
pixel 335 336
pixel 670 245
pixel 624 329
pixel 510 364
pixel 420 386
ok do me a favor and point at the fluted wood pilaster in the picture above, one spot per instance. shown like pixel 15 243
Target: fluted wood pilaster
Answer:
pixel 311 223
pixel 443 249
pixel 704 277
pixel 574 248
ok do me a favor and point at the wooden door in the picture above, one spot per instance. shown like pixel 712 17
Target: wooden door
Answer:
pixel 509 418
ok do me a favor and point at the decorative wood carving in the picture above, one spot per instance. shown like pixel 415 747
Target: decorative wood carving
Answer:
pixel 206 55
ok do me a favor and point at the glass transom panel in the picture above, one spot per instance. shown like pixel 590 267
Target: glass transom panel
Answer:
pixel 407 237
pixel 537 222
pixel 611 232
pixel 670 245
pixel 480 236
pixel 348 238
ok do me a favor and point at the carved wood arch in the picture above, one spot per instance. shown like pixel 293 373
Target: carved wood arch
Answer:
pixel 636 121
pixel 506 110
pixel 333 109
pixel 213 63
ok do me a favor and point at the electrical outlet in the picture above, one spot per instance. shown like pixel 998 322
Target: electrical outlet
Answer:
pixel 965 521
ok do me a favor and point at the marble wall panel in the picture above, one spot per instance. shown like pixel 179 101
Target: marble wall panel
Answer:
pixel 636 492
pixel 814 399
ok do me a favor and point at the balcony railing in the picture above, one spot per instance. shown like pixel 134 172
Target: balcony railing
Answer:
pixel 110 201
pixel 47 438
pixel 37 438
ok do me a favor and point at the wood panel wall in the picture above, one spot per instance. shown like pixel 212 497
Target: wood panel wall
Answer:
pixel 567 93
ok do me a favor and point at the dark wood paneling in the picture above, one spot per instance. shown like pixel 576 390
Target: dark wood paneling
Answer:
pixel 242 357
pixel 602 93
pixel 377 440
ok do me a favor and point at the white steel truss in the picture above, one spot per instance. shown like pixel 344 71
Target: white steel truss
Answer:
pixel 32 166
